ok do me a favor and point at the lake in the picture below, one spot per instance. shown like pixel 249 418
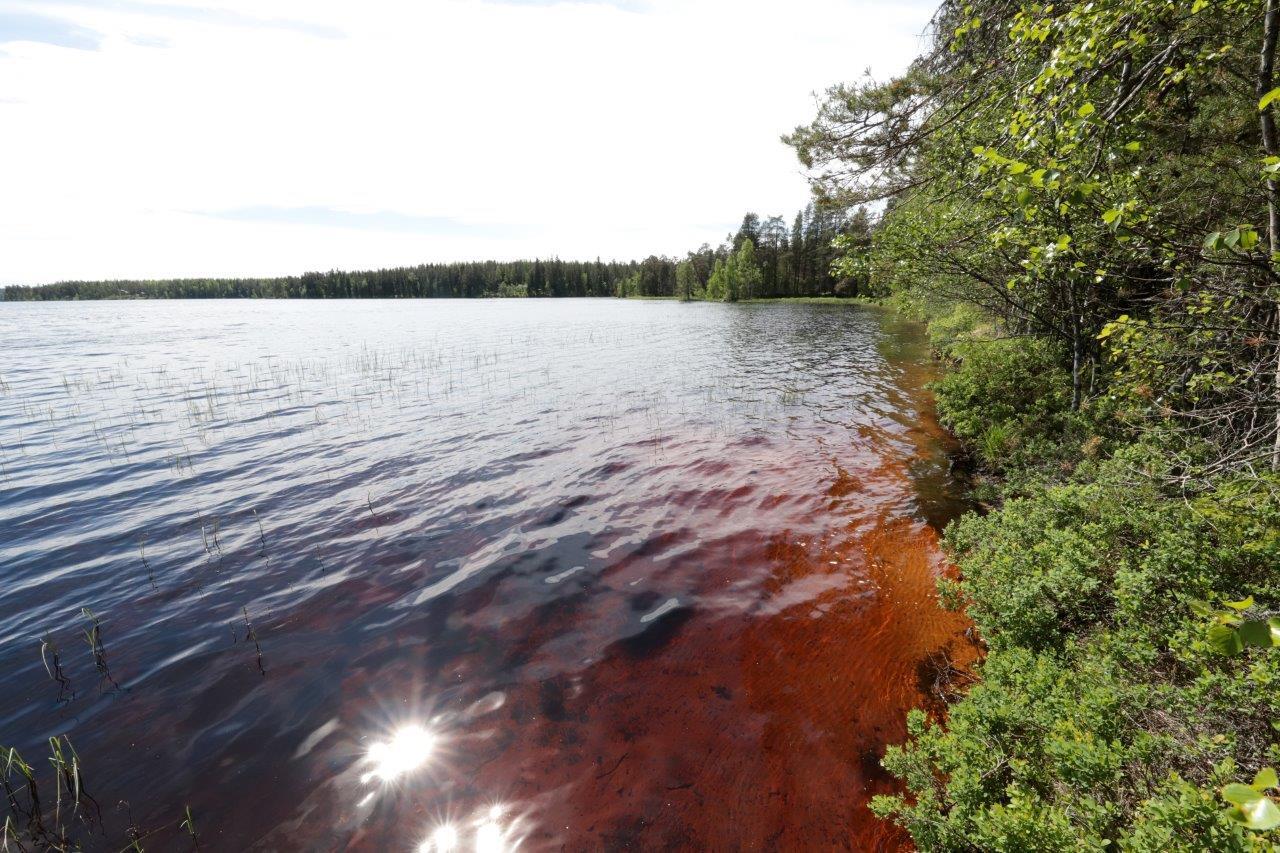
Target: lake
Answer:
pixel 401 575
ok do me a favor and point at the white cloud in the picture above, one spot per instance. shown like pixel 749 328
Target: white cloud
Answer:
pixel 528 128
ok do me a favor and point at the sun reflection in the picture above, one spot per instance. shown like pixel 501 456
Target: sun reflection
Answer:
pixel 445 838
pixel 491 831
pixel 406 751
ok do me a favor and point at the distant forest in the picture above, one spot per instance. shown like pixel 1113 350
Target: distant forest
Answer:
pixel 764 259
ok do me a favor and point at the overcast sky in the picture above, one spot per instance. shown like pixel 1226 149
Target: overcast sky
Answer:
pixel 263 137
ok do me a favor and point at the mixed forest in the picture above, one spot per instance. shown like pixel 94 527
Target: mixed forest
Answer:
pixel 1083 200
pixel 765 258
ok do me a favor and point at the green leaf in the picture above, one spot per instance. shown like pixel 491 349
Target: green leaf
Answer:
pixel 1266 99
pixel 1262 814
pixel 1256 633
pixel 1111 215
pixel 1133 146
pixel 1224 640
pixel 1248 239
pixel 1213 241
pixel 1274 624
pixel 1088 110
pixel 1265 779
pixel 1198 6
pixel 1242 604
pixel 1240 795
pixel 1201 608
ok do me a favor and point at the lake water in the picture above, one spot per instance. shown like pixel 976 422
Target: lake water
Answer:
pixel 564 574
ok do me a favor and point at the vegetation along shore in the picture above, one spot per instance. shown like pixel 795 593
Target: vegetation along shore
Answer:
pixel 1082 200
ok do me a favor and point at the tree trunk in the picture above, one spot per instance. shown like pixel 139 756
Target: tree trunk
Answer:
pixel 1266 74
pixel 1076 332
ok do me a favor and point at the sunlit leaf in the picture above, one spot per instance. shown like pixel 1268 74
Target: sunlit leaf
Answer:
pixel 1224 640
pixel 1262 814
pixel 1240 795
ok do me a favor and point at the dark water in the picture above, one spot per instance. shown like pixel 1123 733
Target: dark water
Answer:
pixel 564 574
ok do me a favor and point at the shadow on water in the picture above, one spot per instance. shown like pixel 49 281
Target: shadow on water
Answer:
pixel 936 465
pixel 570 574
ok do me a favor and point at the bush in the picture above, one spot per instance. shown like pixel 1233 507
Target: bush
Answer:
pixel 1104 718
pixel 960 324
pixel 1006 398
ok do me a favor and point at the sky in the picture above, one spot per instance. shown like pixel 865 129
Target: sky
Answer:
pixel 171 138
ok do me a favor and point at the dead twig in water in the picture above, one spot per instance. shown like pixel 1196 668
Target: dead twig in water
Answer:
pixel 615 766
pixel 262 536
pixel 250 634
pixel 142 552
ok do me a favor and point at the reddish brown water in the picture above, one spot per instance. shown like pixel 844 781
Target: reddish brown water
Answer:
pixel 645 576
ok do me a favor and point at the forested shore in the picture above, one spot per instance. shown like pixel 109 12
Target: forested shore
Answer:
pixel 765 258
pixel 1082 200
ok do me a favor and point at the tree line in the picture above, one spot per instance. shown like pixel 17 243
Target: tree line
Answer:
pixel 552 277
pixel 764 259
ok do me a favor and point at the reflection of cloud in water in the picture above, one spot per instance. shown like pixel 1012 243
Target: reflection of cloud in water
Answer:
pixel 661 610
pixel 559 576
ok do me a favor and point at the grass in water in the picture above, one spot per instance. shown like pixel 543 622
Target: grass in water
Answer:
pixel 93 635
pixel 52 660
pixel 189 824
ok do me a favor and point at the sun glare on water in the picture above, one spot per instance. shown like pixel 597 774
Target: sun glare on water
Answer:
pixel 490 832
pixel 493 829
pixel 407 750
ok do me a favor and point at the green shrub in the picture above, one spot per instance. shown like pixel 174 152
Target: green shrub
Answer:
pixel 961 322
pixel 1184 817
pixel 1006 398
pixel 1104 719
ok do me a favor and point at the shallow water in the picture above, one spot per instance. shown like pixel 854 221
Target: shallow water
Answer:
pixel 580 573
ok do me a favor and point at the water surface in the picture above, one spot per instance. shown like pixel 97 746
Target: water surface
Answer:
pixel 569 574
